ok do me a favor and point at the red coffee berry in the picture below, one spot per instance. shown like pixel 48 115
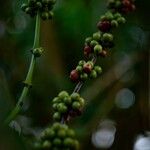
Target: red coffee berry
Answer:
pixel 87 50
pixel 87 68
pixel 74 75
pixel 104 26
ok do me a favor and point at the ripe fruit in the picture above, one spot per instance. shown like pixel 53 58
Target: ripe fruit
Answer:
pixel 87 68
pixel 104 26
pixel 74 75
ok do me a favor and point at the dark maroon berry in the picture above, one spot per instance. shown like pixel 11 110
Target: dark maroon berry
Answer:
pixel 74 75
pixel 87 50
pixel 104 26
pixel 87 68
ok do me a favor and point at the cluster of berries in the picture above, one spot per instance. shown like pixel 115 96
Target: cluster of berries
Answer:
pixel 85 70
pixel 67 106
pixel 122 6
pixel 43 7
pixel 98 44
pixel 57 137
pixel 110 20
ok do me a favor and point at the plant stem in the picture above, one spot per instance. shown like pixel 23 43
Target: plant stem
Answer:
pixel 28 81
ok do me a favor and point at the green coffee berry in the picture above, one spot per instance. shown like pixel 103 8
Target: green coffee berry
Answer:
pixel 45 15
pixel 79 68
pixel 109 16
pixel 76 105
pixel 121 20
pixel 50 133
pixel 88 40
pixel 98 49
pixel 117 15
pixel 56 100
pixel 98 69
pixel 68 142
pixel 114 23
pixel 57 142
pixel 107 37
pixel 57 116
pixel 96 36
pixel 75 96
pixel 81 62
pixel 55 106
pixel 70 133
pixel 46 144
pixel 93 43
pixel 37 52
pixel 81 101
pixel 67 100
pixel 93 74
pixel 62 108
pixel 24 6
pixel 63 94
pixel 84 76
pixel 61 133
pixel 56 126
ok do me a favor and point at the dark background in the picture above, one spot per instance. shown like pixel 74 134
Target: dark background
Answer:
pixel 116 116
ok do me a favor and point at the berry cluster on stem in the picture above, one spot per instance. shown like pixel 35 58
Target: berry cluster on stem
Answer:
pixel 66 106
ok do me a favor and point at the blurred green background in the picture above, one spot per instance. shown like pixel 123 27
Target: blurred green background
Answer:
pixel 117 114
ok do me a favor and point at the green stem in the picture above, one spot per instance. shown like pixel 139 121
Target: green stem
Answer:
pixel 28 81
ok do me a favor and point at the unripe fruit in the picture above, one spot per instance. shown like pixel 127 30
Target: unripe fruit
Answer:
pixel 70 133
pixel 93 74
pixel 24 6
pixel 45 15
pixel 84 76
pixel 76 105
pixel 96 36
pixel 81 62
pixel 61 133
pixel 62 108
pixel 93 43
pixel 75 96
pixel 109 16
pixel 63 94
pixel 121 20
pixel 51 14
pixel 88 40
pixel 46 144
pixel 81 101
pixel 114 23
pixel 57 116
pixel 79 68
pixel 98 69
pixel 55 106
pixel 37 52
pixel 39 5
pixel 68 142
pixel 98 49
pixel 67 100
pixel 56 126
pixel 49 133
pixel 57 142
pixel 74 75
pixel 107 37
pixel 104 26
pixel 56 100
pixel 117 15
